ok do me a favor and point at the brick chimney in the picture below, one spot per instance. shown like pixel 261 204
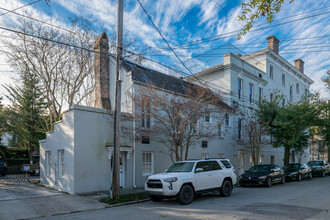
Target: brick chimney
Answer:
pixel 273 43
pixel 101 68
pixel 299 64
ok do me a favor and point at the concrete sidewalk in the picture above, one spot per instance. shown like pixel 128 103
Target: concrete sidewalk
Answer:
pixel 26 200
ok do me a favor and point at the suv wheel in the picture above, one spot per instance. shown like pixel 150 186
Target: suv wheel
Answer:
pixel 226 189
pixel 156 198
pixel 186 195
pixel 299 177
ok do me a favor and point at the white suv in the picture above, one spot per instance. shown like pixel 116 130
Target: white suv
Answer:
pixel 184 179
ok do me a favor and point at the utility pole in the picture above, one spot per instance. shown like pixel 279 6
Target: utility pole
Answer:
pixel 116 136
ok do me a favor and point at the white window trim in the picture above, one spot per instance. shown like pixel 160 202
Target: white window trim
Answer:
pixel 48 162
pixel 152 163
pixel 61 174
pixel 228 120
pixel 204 155
pixel 221 130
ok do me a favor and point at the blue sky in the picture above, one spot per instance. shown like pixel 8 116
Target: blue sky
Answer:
pixel 303 27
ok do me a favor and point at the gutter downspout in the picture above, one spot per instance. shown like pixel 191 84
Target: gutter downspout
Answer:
pixel 134 183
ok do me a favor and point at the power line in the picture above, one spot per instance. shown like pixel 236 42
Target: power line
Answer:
pixel 43 22
pixel 222 36
pixel 46 39
pixel 164 38
pixel 20 7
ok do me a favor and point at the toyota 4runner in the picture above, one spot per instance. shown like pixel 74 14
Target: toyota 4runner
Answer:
pixel 184 179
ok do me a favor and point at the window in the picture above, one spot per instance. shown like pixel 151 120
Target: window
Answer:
pixel 297 88
pixel 48 162
pixel 283 102
pixel 207 117
pixel 147 163
pixel 203 165
pixel 61 164
pixel 272 159
pixel 260 94
pixel 220 130
pixel 239 88
pixel 226 163
pixel 146 114
pixel 214 165
pixel 145 140
pixel 306 92
pixel 271 72
pixel 204 144
pixel 204 155
pixel 291 93
pixel 251 92
pixel 239 128
pixel 227 120
pixel 283 79
pixel 271 97
pixel 260 75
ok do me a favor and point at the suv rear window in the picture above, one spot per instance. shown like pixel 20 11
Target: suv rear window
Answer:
pixel 226 163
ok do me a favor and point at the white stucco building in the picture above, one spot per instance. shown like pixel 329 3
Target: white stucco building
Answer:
pixel 75 156
pixel 243 79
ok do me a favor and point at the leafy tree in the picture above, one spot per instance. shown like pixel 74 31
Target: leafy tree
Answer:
pixel 254 9
pixel 326 79
pixel 324 122
pixel 24 118
pixel 288 125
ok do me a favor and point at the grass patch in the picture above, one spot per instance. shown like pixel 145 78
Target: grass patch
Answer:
pixel 125 198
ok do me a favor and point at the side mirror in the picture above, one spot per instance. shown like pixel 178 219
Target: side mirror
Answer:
pixel 199 170
pixel 272 171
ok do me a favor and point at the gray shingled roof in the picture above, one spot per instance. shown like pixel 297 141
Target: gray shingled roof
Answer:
pixel 160 80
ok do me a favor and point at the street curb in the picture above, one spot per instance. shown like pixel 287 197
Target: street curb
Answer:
pixel 107 206
pixel 128 203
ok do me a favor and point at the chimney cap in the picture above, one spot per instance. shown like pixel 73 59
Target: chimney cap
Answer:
pixel 272 36
pixel 296 60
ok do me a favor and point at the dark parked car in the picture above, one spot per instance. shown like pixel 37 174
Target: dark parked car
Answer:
pixel 3 167
pixel 265 174
pixel 297 171
pixel 32 169
pixel 319 167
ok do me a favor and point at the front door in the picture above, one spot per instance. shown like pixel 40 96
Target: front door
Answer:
pixel 122 170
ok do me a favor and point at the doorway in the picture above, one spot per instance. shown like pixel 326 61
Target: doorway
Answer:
pixel 122 170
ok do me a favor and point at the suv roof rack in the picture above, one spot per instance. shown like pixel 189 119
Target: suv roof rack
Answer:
pixel 215 158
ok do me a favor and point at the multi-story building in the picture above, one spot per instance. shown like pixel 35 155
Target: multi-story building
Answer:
pixel 243 80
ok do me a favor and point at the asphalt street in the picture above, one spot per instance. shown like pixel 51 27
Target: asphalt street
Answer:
pixel 293 200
